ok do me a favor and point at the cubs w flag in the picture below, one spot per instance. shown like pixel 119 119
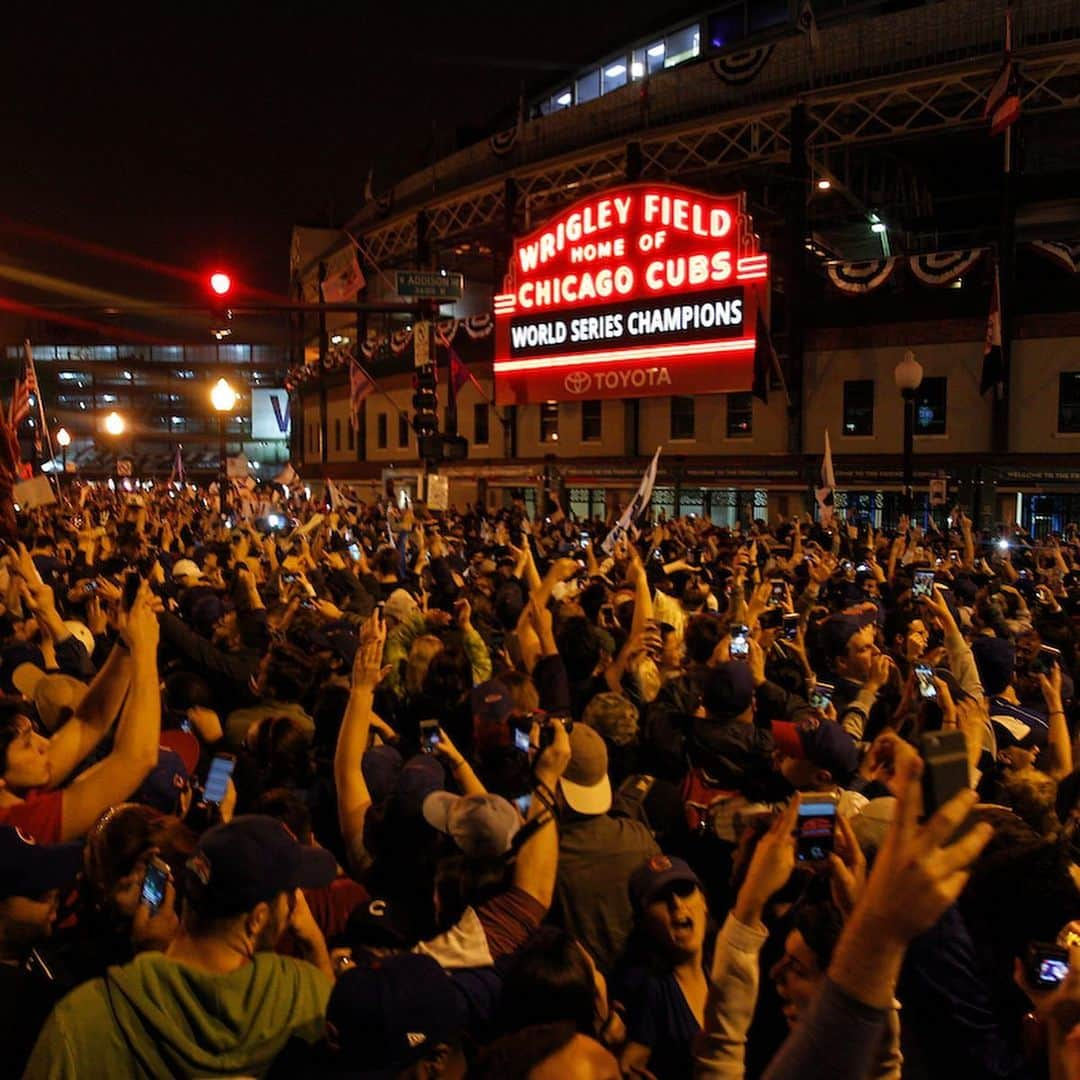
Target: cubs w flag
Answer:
pixel 824 494
pixel 360 387
pixel 991 367
pixel 625 525
pixel 459 373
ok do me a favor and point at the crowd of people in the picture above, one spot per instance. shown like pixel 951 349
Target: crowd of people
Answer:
pixel 403 793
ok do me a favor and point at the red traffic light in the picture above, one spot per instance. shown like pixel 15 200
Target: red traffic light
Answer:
pixel 220 283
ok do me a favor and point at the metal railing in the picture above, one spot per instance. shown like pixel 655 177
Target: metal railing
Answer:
pixel 949 32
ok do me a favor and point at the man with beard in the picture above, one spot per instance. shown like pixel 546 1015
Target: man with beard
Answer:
pixel 217 1001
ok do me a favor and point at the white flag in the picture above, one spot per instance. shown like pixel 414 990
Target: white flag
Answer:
pixel 344 278
pixel 824 494
pixel 636 508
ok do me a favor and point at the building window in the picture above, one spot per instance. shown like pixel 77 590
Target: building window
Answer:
pixel 549 422
pixel 402 430
pixel 682 417
pixel 859 407
pixel 682 45
pixel 350 433
pixel 931 400
pixel 647 59
pixel 740 415
pixel 481 432
pixel 380 431
pixel 337 433
pixel 614 74
pixel 1069 402
pixel 591 421
pixel 588 86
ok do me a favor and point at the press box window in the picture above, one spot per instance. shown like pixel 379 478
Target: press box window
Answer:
pixel 591 421
pixel 549 422
pixel 682 417
pixel 682 45
pixel 588 86
pixel 1069 402
pixel 859 407
pixel 931 402
pixel 740 415
pixel 381 437
pixel 481 432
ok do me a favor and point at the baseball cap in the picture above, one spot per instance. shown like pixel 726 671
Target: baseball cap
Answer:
pixel 840 629
pixel 729 690
pixel 378 923
pixel 419 777
pixel 248 860
pixel 400 605
pixel 81 633
pixel 381 766
pixel 585 783
pixel 165 782
pixel 483 826
pixel 29 869
pixel 656 874
pixel 387 1015
pixel 185 568
pixel 55 697
pixel 823 742
pixel 492 707
pixel 613 716
pixel 185 744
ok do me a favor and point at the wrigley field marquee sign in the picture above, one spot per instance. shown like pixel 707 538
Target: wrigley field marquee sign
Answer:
pixel 647 289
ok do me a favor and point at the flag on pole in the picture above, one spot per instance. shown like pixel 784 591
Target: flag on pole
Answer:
pixel 177 474
pixel 361 385
pixel 765 360
pixel 459 373
pixel 824 494
pixel 626 523
pixel 992 365
pixel 808 24
pixel 25 386
pixel 344 278
pixel 1003 100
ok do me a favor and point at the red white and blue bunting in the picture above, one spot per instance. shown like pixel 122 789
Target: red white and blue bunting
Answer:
pixel 474 327
pixel 738 69
pixel 503 142
pixel 857 278
pixel 943 267
pixel 1063 253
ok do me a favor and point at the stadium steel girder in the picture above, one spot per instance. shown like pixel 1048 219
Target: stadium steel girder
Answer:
pixel 890 109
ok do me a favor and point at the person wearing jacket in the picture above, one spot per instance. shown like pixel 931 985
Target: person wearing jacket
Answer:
pixel 217 1002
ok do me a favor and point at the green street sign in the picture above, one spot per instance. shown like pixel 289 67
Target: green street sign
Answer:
pixel 430 284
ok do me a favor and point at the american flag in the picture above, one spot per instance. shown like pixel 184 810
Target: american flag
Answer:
pixel 25 385
pixel 360 387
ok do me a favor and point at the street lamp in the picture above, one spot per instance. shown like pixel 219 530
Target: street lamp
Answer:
pixel 223 398
pixel 63 437
pixel 114 424
pixel 908 375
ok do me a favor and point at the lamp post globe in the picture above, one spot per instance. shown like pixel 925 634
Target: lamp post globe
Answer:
pixel 908 375
pixel 114 424
pixel 223 398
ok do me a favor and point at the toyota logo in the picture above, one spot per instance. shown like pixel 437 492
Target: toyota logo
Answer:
pixel 577 382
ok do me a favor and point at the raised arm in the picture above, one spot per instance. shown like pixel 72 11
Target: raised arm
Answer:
pixel 538 860
pixel 135 749
pixel 96 714
pixel 353 797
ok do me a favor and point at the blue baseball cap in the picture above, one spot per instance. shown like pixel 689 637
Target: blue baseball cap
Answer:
pixel 248 860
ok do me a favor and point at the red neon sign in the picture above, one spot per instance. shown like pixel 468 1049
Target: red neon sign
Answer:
pixel 649 289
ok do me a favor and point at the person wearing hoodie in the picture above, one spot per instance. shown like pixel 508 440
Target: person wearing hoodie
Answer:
pixel 217 1001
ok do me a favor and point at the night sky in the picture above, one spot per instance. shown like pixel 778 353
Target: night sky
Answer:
pixel 192 141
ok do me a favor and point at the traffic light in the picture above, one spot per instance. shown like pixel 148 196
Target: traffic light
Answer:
pixel 219 294
pixel 425 401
